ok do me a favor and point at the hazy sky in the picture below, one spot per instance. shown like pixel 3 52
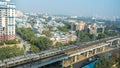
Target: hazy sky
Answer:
pixel 71 7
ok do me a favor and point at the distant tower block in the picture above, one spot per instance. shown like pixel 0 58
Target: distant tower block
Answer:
pixel 72 26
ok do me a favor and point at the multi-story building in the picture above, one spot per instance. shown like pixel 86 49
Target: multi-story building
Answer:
pixel 7 20
pixel 64 39
pixel 96 28
pixel 80 26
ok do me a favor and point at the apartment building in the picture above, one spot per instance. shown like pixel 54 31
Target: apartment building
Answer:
pixel 7 20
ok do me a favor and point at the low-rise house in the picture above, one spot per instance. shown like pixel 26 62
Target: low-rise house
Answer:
pixel 38 35
pixel 64 39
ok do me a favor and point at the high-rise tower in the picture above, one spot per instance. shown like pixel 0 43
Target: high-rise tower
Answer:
pixel 7 20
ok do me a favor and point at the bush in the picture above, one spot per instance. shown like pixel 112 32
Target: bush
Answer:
pixel 19 41
pixel 8 52
pixel 34 49
pixel 1 43
pixel 12 41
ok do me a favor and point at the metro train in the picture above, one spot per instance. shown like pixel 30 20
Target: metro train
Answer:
pixel 30 58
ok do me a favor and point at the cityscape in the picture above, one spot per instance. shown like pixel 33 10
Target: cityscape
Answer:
pixel 54 37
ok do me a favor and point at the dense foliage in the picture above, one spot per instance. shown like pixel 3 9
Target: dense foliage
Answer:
pixel 8 52
pixel 25 33
pixel 83 36
pixel 42 43
pixel 112 28
pixel 101 35
pixel 1 43
pixel 63 28
pixel 13 41
pixel 34 49
pixel 59 44
pixel 112 62
pixel 47 33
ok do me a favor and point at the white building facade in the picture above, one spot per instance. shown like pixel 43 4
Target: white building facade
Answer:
pixel 7 20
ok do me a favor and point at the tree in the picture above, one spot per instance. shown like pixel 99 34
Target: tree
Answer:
pixel 68 25
pixel 71 66
pixel 108 62
pixel 101 35
pixel 85 38
pixel 24 47
pixel 1 43
pixel 12 41
pixel 32 40
pixel 82 36
pixel 47 33
pixel 103 63
pixel 59 44
pixel 8 52
pixel 62 28
pixel 25 33
pixel 92 36
pixel 34 49
pixel 43 43
pixel 19 40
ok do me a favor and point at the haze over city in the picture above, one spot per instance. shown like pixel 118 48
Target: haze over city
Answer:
pixel 106 8
pixel 59 34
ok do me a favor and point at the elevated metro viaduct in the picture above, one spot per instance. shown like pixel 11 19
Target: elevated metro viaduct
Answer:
pixel 68 56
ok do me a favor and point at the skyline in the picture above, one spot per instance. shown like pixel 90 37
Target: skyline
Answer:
pixel 106 8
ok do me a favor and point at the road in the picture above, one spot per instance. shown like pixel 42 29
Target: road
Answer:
pixel 24 43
